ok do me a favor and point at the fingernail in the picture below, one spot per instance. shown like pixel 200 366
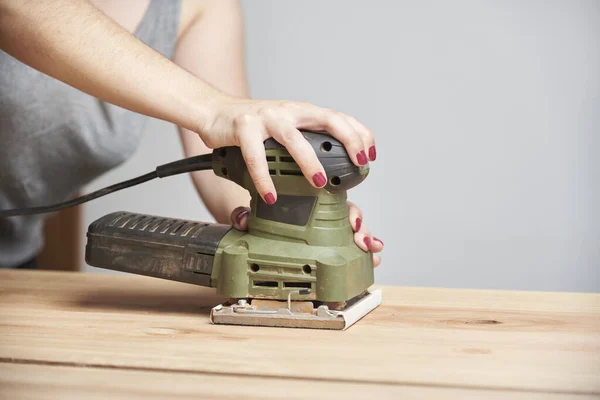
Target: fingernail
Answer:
pixel 361 157
pixel 319 179
pixel 379 240
pixel 358 224
pixel 240 216
pixel 367 241
pixel 269 198
pixel 372 153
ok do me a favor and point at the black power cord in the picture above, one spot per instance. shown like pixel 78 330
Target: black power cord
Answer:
pixel 197 163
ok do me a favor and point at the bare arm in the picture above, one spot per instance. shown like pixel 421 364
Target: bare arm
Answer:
pixel 74 42
pixel 212 48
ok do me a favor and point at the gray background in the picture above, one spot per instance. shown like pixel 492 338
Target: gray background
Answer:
pixel 487 119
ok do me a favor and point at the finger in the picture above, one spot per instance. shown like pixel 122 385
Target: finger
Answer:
pixel 355 216
pixel 340 129
pixel 366 135
pixel 366 242
pixel 253 151
pixel 300 150
pixel 337 125
pixel 376 245
pixel 363 239
pixel 239 218
pixel 376 261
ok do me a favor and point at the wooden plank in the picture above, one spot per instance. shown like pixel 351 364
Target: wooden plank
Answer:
pixel 18 381
pixel 487 340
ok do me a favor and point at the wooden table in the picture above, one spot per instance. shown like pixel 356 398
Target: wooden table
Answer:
pixel 86 336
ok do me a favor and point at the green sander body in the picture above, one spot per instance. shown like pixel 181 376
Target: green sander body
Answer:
pixel 301 247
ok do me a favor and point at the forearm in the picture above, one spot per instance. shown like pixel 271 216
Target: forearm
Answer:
pixel 74 42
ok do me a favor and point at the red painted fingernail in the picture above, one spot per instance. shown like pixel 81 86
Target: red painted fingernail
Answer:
pixel 319 179
pixel 358 224
pixel 240 216
pixel 361 157
pixel 367 241
pixel 372 153
pixel 379 240
pixel 269 198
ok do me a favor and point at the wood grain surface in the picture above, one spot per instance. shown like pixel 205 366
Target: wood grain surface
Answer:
pixel 31 381
pixel 66 332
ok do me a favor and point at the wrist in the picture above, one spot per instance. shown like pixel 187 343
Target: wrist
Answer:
pixel 200 106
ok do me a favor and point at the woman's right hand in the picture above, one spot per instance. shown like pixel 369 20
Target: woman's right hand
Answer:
pixel 248 123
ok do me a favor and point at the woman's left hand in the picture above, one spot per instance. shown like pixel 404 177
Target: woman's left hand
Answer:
pixel 362 236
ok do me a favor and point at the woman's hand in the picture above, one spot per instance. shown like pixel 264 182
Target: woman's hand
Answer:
pixel 362 237
pixel 229 121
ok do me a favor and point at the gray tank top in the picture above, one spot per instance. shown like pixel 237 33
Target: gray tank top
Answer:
pixel 55 139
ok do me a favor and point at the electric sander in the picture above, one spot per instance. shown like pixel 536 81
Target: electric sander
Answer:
pixel 297 264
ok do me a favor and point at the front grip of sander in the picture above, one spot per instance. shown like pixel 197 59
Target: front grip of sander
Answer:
pixel 159 247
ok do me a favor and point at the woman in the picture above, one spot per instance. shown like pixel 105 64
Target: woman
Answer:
pixel 78 78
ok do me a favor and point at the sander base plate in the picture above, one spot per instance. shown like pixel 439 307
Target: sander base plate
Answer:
pixel 244 313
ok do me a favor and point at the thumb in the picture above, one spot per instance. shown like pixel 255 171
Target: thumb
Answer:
pixel 239 218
